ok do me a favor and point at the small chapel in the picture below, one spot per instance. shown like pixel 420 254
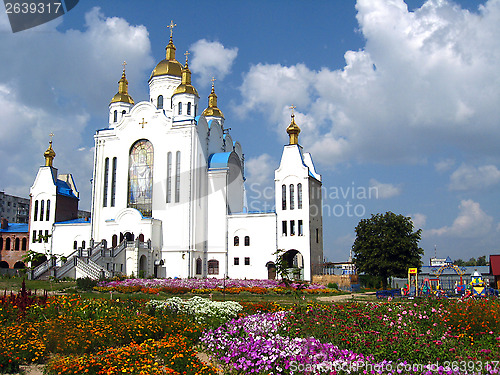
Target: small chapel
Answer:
pixel 168 195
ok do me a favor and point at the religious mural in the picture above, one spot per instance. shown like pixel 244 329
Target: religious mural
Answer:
pixel 140 182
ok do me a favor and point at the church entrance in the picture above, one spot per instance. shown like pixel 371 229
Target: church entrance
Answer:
pixel 271 270
pixel 143 266
pixel 128 236
pixel 294 262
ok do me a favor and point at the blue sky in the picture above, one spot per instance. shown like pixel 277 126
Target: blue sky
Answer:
pixel 393 98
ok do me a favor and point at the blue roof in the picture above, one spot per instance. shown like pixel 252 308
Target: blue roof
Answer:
pixel 218 160
pixel 75 221
pixel 15 228
pixel 64 189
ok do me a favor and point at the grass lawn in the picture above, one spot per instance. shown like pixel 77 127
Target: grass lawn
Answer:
pixel 14 283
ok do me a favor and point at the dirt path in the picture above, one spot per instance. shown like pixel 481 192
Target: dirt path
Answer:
pixel 359 297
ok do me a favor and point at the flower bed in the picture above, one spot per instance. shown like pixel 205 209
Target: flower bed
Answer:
pixel 206 286
pixel 382 338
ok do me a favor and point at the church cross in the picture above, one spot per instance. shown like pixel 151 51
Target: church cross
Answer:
pixel 292 107
pixel 213 80
pixel 51 135
pixel 143 123
pixel 171 27
pixel 186 54
pixel 124 63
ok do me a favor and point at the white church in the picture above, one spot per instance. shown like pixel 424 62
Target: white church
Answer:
pixel 168 196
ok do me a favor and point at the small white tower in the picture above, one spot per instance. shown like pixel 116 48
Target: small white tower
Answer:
pixel 121 103
pixel 185 97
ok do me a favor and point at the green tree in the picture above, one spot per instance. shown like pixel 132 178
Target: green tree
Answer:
pixel 386 245
pixel 459 263
pixel 471 262
pixel 481 261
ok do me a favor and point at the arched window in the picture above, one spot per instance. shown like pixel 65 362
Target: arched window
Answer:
pixel 1 243
pixel 292 197
pixel 213 267
pixel 35 214
pixel 24 244
pixel 141 237
pixel 41 210
pixel 177 176
pixel 189 109
pixel 140 181
pixel 83 244
pixel 299 196
pixel 283 197
pixel 7 243
pixel 247 240
pixel 16 244
pixel 236 241
pixel 169 177
pixel 115 116
pixel 113 183
pixel 160 102
pixel 114 240
pixel 180 109
pixel 105 186
pixel 47 216
pixel 75 245
pixel 199 266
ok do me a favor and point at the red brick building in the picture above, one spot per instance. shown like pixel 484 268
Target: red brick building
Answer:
pixel 13 244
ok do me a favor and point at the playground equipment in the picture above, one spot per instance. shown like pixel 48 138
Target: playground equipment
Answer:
pixel 426 287
pixel 411 289
pixel 478 285
pixel 459 271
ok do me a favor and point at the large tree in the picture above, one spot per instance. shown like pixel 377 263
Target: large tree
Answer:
pixel 386 245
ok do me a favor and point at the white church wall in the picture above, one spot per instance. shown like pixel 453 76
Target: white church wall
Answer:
pixel 66 234
pixel 260 228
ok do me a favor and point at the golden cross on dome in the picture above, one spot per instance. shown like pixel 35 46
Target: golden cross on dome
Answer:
pixel 186 54
pixel 171 27
pixel 213 81
pixel 143 123
pixel 292 107
pixel 51 135
pixel 124 63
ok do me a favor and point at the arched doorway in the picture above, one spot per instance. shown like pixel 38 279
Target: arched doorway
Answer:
pixel 143 266
pixel 114 240
pixel 141 237
pixel 129 236
pixel 4 264
pixel 19 265
pixel 294 262
pixel 39 260
pixel 271 270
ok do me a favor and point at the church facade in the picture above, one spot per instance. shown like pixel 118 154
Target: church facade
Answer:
pixel 168 197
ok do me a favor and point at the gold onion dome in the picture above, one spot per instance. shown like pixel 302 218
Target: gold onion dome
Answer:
pixel 212 109
pixel 49 155
pixel 169 65
pixel 293 131
pixel 122 94
pixel 186 87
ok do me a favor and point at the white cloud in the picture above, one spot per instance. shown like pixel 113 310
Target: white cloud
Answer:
pixel 211 59
pixel 467 177
pixel 419 220
pixel 424 80
pixel 444 165
pixel 471 222
pixel 54 81
pixel 384 191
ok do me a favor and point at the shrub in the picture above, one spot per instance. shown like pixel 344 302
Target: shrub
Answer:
pixel 86 283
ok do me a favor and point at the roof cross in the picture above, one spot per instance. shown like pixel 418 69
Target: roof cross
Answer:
pixel 186 54
pixel 171 27
pixel 124 63
pixel 51 135
pixel 143 123
pixel 292 107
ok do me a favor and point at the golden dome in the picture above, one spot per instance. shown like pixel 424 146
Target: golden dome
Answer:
pixel 185 87
pixel 293 131
pixel 169 65
pixel 49 154
pixel 212 109
pixel 122 94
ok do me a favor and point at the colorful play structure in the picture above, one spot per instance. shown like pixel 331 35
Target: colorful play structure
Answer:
pixel 476 288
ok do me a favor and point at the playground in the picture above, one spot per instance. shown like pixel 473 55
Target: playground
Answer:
pixel 439 286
